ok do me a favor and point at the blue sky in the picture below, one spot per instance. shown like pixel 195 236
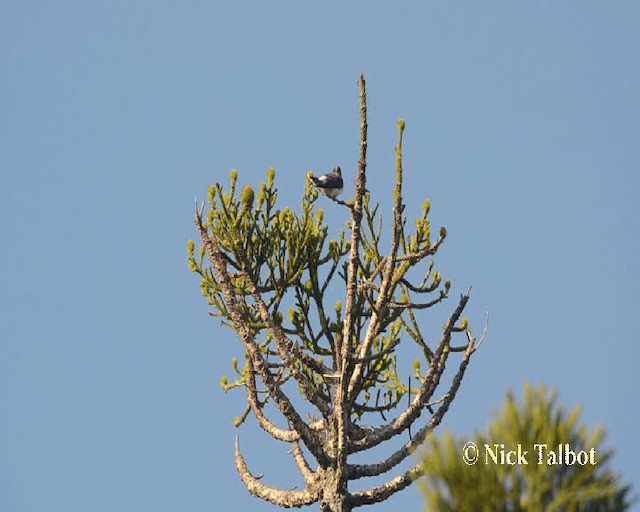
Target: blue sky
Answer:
pixel 522 129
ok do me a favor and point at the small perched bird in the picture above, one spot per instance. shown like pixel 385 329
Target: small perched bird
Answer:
pixel 330 184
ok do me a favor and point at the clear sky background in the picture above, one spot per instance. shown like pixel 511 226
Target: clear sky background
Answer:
pixel 523 123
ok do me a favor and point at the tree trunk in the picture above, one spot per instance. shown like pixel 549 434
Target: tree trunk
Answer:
pixel 334 495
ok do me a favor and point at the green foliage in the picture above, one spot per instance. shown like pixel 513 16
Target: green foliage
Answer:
pixel 292 263
pixel 450 484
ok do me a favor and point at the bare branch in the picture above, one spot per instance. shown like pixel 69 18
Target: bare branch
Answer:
pixel 317 298
pixel 341 202
pixel 310 439
pixel 373 357
pixel 368 470
pixel 266 425
pixel 415 305
pixel 341 410
pixel 406 419
pixel 420 255
pixel 484 334
pixel 279 497
pixel 308 475
pixel 413 257
pixel 381 493
pixel 356 222
pixel 387 285
pixel 287 349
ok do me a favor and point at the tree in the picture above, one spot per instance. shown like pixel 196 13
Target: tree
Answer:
pixel 267 274
pixel 565 469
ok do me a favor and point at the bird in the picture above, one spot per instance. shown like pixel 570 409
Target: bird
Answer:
pixel 330 184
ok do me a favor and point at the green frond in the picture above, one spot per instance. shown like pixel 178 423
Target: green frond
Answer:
pixel 271 176
pixel 247 197
pixel 426 207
